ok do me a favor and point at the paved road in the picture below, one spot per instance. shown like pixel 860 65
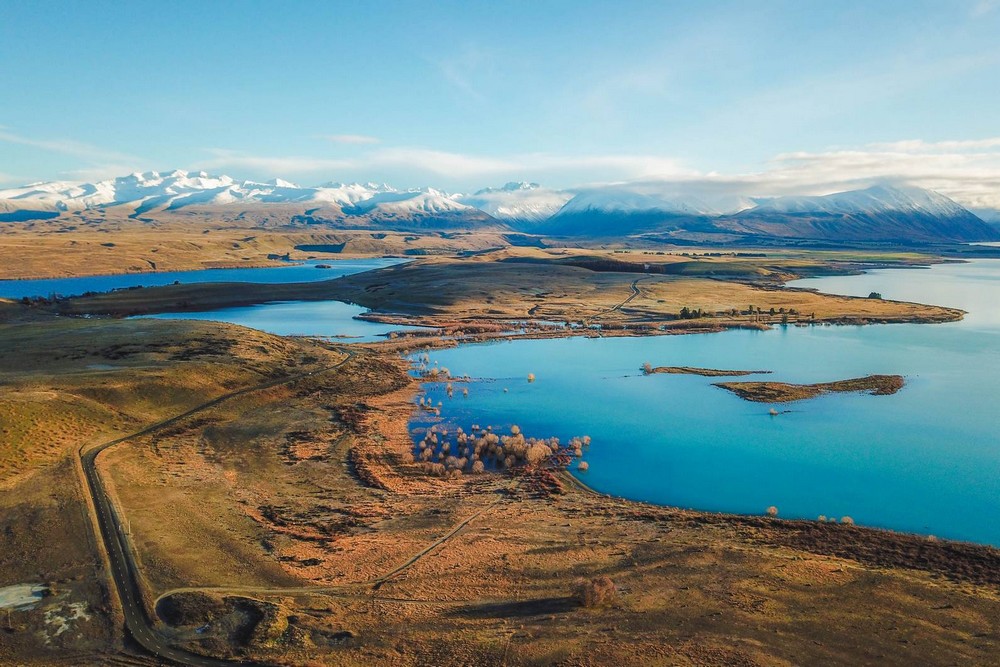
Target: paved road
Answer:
pixel 124 572
pixel 635 292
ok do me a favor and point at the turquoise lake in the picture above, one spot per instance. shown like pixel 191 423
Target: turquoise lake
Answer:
pixel 293 273
pixel 326 318
pixel 333 319
pixel 924 460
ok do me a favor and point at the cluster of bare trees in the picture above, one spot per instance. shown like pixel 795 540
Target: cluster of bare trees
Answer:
pixel 448 454
pixel 427 405
pixel 846 520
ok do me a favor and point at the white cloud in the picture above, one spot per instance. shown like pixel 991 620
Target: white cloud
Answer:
pixel 965 170
pixel 350 138
pixel 920 146
pixel 68 147
pixel 968 170
pixel 455 167
pixel 984 7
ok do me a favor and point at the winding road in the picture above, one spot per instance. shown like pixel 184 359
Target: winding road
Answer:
pixel 635 292
pixel 124 572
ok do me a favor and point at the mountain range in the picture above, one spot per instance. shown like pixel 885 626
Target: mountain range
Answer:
pixel 879 213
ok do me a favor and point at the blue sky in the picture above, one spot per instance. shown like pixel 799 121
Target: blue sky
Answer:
pixel 462 94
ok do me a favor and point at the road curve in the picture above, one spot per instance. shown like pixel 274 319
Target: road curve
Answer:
pixel 124 573
pixel 634 292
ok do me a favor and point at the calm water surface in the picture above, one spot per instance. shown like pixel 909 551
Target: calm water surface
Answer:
pixel 318 318
pixel 333 319
pixel 293 273
pixel 924 460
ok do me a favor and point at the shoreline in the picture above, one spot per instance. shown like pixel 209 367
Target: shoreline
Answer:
pixel 910 542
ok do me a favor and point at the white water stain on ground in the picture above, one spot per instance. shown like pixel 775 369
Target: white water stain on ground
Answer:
pixel 61 619
pixel 22 596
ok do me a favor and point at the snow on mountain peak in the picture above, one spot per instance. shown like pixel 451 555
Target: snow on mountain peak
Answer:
pixel 514 202
pixel 875 199
pixel 424 202
pixel 281 183
pixel 627 202
pixel 518 201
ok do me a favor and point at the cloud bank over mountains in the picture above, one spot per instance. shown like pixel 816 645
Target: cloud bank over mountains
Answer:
pixel 883 212
pixel 967 171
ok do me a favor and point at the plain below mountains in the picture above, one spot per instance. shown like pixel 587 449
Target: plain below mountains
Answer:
pixel 882 213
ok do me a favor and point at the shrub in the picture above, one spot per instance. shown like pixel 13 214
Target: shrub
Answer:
pixel 538 453
pixel 772 511
pixel 583 466
pixel 598 592
pixel 846 520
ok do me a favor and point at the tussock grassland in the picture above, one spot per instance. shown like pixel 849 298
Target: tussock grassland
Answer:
pixel 288 522
pixel 492 288
pixel 288 526
pixel 51 250
pixel 67 384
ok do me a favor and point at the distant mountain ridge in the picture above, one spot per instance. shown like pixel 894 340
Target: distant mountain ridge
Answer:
pixel 878 213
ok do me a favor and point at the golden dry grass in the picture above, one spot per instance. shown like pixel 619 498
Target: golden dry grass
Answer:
pixel 491 287
pixel 48 250
pixel 224 503
pixel 296 501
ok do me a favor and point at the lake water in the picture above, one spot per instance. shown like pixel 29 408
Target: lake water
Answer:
pixel 333 319
pixel 924 460
pixel 317 318
pixel 293 273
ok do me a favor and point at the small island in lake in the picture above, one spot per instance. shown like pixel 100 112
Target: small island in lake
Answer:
pixel 691 370
pixel 783 392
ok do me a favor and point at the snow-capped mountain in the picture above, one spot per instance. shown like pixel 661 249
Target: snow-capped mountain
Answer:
pixel 619 211
pixel 879 213
pixel 620 201
pixel 142 193
pixel 876 199
pixel 349 194
pixel 518 202
pixel 424 202
pixel 64 196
